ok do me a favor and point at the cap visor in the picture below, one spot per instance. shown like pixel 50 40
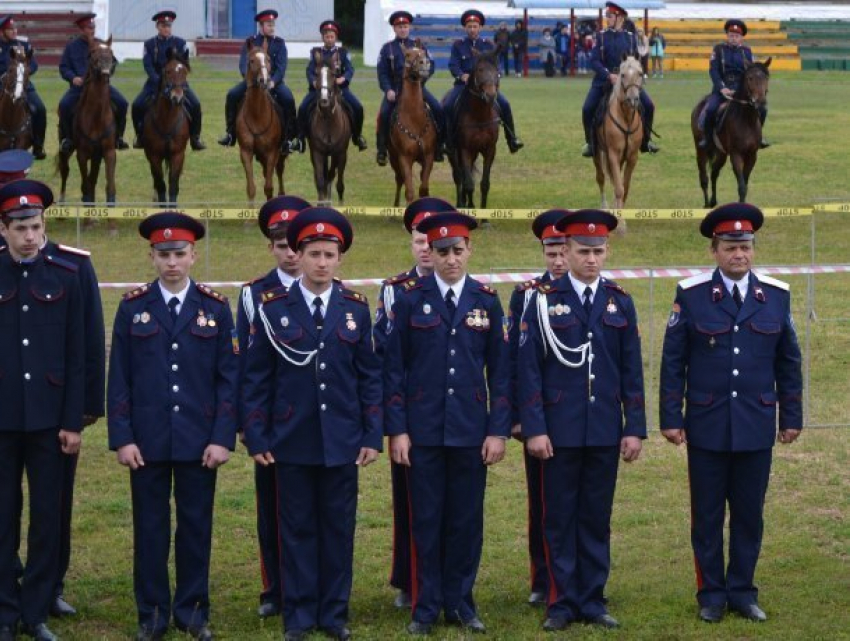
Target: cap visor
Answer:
pixel 170 245
pixel 442 243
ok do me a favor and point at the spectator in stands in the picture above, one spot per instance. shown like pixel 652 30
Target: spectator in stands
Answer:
pixel 562 47
pixel 583 54
pixel 519 44
pixel 502 38
pixel 643 50
pixel 546 49
pixel 657 44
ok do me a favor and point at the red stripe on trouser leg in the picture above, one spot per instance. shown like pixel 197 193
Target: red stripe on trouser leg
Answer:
pixel 263 575
pixel 697 569
pixel 414 575
pixel 553 593
pixel 279 544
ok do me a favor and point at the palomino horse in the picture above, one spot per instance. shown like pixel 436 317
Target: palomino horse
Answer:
pixel 476 129
pixel 413 133
pixel 166 129
pixel 737 134
pixel 258 127
pixel 619 135
pixel 15 119
pixel 93 132
pixel 330 131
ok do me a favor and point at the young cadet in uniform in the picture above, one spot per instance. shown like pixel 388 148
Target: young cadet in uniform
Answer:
pixel 154 60
pixel 275 47
pixel 553 241
pixel 446 391
pixel 608 51
pixel 41 394
pixel 330 33
pixel 9 39
pixel 172 421
pixel 274 219
pixel 731 356
pixel 73 68
pixel 461 65
pixel 391 81
pixel 581 403
pixel 311 395
pixel 729 61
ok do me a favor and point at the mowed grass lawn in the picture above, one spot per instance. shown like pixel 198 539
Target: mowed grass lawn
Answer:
pixel 804 574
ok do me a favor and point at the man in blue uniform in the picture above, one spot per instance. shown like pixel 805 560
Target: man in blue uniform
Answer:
pixel 581 403
pixel 461 66
pixel 731 357
pixel 391 81
pixel 275 47
pixel 154 60
pixel 446 392
pixel 73 68
pixel 274 219
pixel 553 241
pixel 172 421
pixel 330 33
pixel 608 51
pixel 9 39
pixel 311 406
pixel 41 395
pixel 728 62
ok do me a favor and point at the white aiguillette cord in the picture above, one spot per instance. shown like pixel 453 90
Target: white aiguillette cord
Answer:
pixel 558 348
pixel 284 350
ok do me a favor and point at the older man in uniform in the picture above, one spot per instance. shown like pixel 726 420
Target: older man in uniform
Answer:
pixel 172 421
pixel 274 219
pixel 41 311
pixel 553 241
pixel 73 68
pixel 461 66
pixel 582 408
pixel 275 47
pixel 154 60
pixel 731 357
pixel 9 39
pixel 446 391
pixel 610 47
pixel 391 81
pixel 728 62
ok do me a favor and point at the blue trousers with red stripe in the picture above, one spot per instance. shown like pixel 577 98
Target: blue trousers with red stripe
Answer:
pixel 536 542
pixel 400 572
pixel 265 484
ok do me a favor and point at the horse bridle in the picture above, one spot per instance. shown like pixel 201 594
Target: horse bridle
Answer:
pixel 751 101
pixel 10 91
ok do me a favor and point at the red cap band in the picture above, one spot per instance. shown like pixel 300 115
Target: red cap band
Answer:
pixel 320 229
pixel 735 29
pixel 552 232
pixel 265 17
pixel 586 229
pixel 418 218
pixel 401 20
pixel 8 24
pixel 732 226
pixel 330 27
pixel 282 216
pixel 22 202
pixel 169 235
pixel 448 231
pixel 471 19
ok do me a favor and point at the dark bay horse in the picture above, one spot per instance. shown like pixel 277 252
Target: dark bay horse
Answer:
pixel 737 133
pixel 476 129
pixel 93 132
pixel 15 118
pixel 413 133
pixel 166 130
pixel 258 127
pixel 330 132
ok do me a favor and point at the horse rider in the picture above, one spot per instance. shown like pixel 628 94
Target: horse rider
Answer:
pixel 461 65
pixel 275 47
pixel 154 60
pixel 728 62
pixel 330 33
pixel 609 50
pixel 9 39
pixel 391 80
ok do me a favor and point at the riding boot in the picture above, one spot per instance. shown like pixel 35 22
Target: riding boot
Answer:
pixel 120 126
pixel 514 143
pixel 587 151
pixel 707 142
pixel 229 138
pixel 66 144
pixel 39 128
pixel 647 146
pixel 381 144
pixel 195 141
pixel 357 133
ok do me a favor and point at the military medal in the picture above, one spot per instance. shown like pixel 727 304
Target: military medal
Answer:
pixel 551 310
pixel 712 342
pixel 145 317
pixel 426 308
pixel 349 321
pixel 559 309
pixel 202 320
pixel 479 322
pixel 567 309
pixel 136 318
pixel 284 321
pixel 470 321
pixel 485 321
pixel 612 308
pixel 211 321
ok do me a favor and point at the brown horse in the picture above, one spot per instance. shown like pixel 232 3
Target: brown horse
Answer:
pixel 476 130
pixel 413 133
pixel 330 131
pixel 620 134
pixel 258 127
pixel 166 130
pixel 93 131
pixel 15 119
pixel 737 134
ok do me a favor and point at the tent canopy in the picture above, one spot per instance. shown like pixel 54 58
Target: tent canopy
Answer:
pixel 628 5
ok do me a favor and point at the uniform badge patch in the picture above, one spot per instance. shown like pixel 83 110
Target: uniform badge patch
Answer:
pixel 234 339
pixel 523 333
pixel 674 315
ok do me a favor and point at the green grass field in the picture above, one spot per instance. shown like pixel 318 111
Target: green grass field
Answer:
pixel 804 574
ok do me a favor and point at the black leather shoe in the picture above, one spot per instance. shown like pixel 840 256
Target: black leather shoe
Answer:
pixel 515 144
pixel 417 628
pixel 340 634
pixel 474 625
pixel 38 153
pixel 402 599
pixel 381 158
pixel 555 624
pixel 7 633
pixel 763 144
pixel 751 612
pixel 294 635
pixel 605 621
pixel 649 147
pixel 61 608
pixel 197 144
pixel 361 143
pixel 146 634
pixel 120 143
pixel 39 632
pixel 268 609
pixel 201 632
pixel 537 598
pixel 711 613
pixel 227 140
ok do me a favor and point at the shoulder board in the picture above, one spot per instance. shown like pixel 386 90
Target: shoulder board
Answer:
pixel 693 281
pixel 610 284
pixel 773 282
pixel 253 281
pixel 546 288
pixel 398 278
pixel 350 294
pixel 61 262
pixel 487 289
pixel 273 294
pixel 73 250
pixel 411 283
pixel 206 290
pixel 139 291
pixel 529 284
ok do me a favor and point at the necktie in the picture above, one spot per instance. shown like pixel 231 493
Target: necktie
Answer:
pixel 736 295
pixel 588 293
pixel 172 307
pixel 450 302
pixel 317 312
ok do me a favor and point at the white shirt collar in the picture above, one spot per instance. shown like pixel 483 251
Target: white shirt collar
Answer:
pixel 457 288
pixel 285 279
pixel 742 284
pixel 309 297
pixel 580 287
pixel 181 295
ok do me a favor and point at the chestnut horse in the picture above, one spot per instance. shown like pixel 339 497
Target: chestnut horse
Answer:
pixel 166 130
pixel 476 129
pixel 93 131
pixel 413 133
pixel 258 126
pixel 15 118
pixel 330 131
pixel 620 134
pixel 737 134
